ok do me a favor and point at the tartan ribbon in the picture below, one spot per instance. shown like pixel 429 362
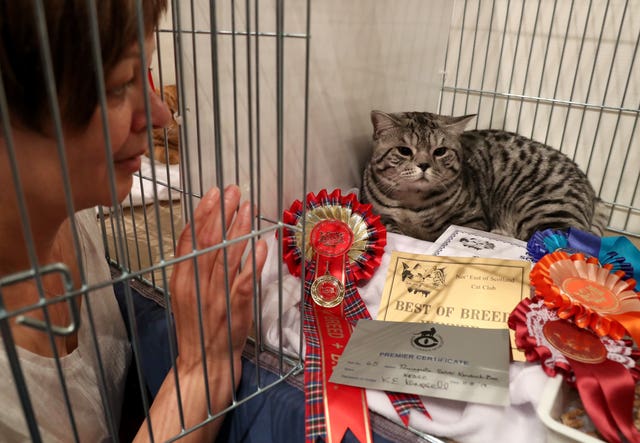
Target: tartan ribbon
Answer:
pixel 354 309
pixel 364 258
pixel 330 408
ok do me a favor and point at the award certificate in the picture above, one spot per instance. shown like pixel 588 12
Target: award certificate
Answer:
pixel 429 359
pixel 458 291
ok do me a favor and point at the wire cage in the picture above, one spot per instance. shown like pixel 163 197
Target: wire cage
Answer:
pixel 227 63
pixel 558 71
pixel 563 73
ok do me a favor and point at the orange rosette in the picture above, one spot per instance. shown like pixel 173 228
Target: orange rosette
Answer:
pixel 603 370
pixel 592 295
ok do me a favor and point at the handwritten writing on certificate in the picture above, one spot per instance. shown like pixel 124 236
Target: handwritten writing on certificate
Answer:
pixel 441 363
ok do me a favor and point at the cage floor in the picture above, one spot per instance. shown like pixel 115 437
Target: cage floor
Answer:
pixel 149 239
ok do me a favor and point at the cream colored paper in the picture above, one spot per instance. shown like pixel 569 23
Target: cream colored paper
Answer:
pixel 459 291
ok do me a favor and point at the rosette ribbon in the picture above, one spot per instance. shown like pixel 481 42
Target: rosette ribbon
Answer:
pixel 602 369
pixel 343 244
pixel 616 251
pixel 593 296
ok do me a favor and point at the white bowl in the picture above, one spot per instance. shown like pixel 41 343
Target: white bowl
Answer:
pixel 553 402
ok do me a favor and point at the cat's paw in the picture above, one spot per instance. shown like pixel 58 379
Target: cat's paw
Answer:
pixel 393 228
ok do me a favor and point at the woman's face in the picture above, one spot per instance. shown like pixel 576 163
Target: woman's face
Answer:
pixel 126 116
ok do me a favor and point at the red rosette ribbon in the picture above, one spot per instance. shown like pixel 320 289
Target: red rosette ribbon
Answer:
pixel 369 234
pixel 602 369
pixel 342 246
pixel 593 296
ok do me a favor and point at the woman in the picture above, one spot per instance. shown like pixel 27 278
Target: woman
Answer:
pixel 61 232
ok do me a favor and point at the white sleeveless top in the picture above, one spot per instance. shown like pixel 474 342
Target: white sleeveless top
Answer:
pixel 80 368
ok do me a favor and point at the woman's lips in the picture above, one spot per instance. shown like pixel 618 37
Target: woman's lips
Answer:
pixel 130 164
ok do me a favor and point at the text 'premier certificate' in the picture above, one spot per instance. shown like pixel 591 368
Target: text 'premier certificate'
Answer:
pixel 460 291
pixel 427 359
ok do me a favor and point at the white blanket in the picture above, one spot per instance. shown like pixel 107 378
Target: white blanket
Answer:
pixel 142 189
pixel 463 422
pixel 166 176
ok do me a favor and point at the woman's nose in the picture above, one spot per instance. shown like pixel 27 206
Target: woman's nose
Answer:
pixel 160 113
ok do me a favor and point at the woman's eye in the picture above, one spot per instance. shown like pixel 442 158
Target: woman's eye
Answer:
pixel 121 89
pixel 439 152
pixel 404 150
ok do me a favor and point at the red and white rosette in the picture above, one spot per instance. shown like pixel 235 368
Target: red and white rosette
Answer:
pixel 342 246
pixel 351 224
pixel 591 295
pixel 603 369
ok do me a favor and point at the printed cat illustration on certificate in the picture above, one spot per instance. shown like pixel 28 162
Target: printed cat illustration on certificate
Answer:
pixel 427 173
pixel 476 244
pixel 422 280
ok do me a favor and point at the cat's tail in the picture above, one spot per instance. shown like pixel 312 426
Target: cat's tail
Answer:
pixel 600 218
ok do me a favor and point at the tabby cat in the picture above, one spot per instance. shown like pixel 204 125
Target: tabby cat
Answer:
pixel 427 173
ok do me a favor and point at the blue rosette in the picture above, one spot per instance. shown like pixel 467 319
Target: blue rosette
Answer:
pixel 618 251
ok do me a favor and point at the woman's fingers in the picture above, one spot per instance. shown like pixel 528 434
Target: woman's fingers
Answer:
pixel 241 226
pixel 231 202
pixel 215 269
pixel 216 266
pixel 243 284
pixel 204 212
pixel 242 290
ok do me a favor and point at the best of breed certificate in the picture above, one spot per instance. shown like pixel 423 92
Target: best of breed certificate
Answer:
pixel 429 359
pixel 459 291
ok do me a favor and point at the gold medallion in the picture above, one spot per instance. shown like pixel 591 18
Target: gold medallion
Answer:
pixel 327 291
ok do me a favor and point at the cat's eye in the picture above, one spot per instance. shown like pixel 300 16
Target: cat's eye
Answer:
pixel 439 152
pixel 404 150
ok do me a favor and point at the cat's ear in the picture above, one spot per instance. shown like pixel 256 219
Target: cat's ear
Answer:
pixel 381 122
pixel 457 125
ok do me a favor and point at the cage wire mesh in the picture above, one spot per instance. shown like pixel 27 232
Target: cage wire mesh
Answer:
pixel 561 72
pixel 228 61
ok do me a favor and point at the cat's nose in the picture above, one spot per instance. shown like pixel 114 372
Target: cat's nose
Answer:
pixel 423 166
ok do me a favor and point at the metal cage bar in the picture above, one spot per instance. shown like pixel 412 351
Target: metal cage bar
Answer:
pixel 140 233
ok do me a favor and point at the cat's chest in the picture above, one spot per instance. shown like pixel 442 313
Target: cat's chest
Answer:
pixel 407 217
pixel 409 222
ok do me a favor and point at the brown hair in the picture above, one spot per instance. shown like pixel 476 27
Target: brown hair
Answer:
pixel 70 44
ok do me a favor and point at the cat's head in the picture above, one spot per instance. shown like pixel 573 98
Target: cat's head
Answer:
pixel 415 151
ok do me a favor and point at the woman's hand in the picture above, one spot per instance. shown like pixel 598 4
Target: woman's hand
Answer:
pixel 210 283
pixel 199 297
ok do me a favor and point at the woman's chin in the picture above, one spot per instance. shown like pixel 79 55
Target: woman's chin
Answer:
pixel 123 188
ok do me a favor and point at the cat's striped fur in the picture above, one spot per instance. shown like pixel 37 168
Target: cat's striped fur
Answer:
pixel 426 173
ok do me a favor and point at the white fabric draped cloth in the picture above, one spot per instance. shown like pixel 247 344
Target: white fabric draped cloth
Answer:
pixel 463 422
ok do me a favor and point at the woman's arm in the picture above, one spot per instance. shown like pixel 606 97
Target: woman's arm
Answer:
pixel 164 413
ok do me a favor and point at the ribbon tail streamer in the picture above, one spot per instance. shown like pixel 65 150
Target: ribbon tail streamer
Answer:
pixel 607 391
pixel 344 406
pixel 346 413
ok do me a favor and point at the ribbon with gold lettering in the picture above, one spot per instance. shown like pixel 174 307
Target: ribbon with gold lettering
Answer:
pixel 343 246
pixel 602 369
